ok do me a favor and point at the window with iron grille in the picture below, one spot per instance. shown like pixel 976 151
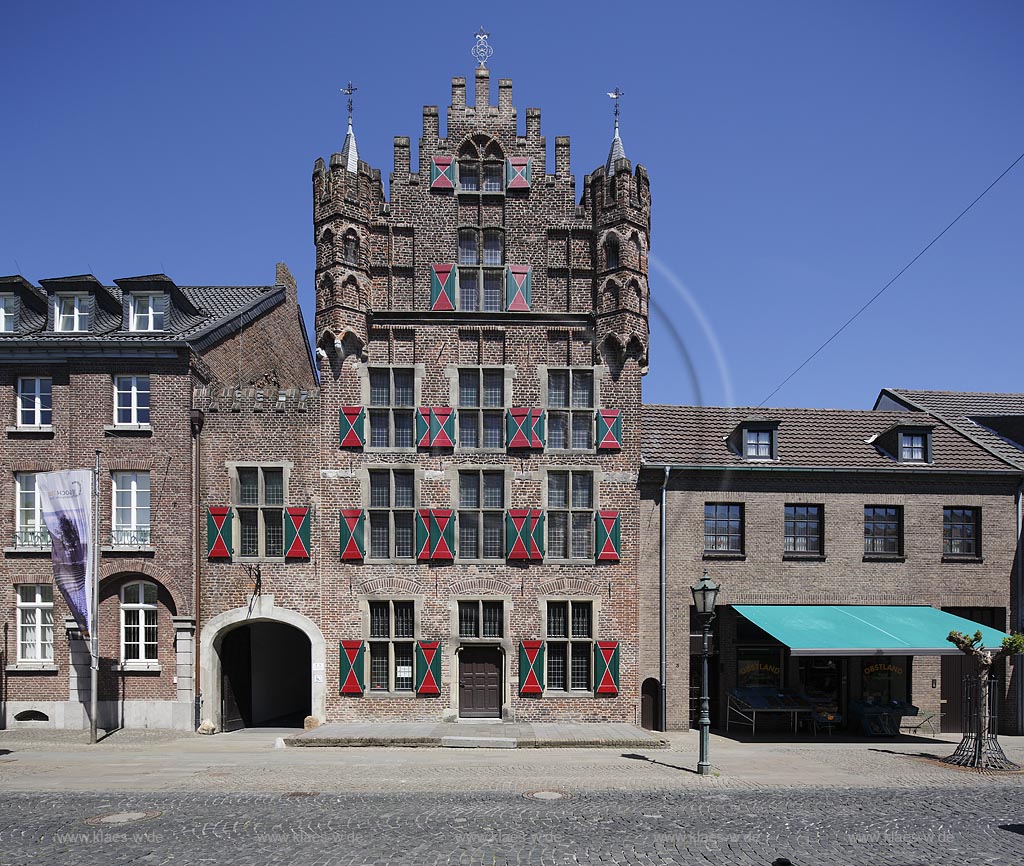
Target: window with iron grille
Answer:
pixel 723 527
pixel 570 645
pixel 35 401
pixel 29 528
pixel 35 622
pixel 804 529
pixel 570 409
pixel 259 501
pixel 570 515
pixel 482 408
pixel 392 633
pixel 392 510
pixel 392 407
pixel 757 443
pixel 138 622
pixel 481 619
pixel 475 174
pixel 481 514
pixel 961 531
pixel 883 530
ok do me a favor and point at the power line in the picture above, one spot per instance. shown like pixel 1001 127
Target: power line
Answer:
pixel 881 291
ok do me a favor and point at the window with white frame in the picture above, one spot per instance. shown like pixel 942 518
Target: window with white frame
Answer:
pixel 29 528
pixel 138 622
pixel 8 313
pixel 71 313
pixel 392 504
pixel 914 446
pixel 259 504
pixel 757 443
pixel 482 407
pixel 131 509
pixel 570 515
pixel 35 401
pixel 392 629
pixel 481 514
pixel 147 311
pixel 35 622
pixel 131 401
pixel 570 645
pixel 392 404
pixel 570 409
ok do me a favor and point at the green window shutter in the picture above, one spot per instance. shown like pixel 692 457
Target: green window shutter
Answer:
pixel 423 534
pixel 609 429
pixel 352 424
pixel 351 667
pixel 531 667
pixel 537 437
pixel 423 427
pixel 296 533
pixel 518 171
pixel 442 428
pixel 428 667
pixel 351 534
pixel 442 534
pixel 218 533
pixel 524 428
pixel 442 172
pixel 442 287
pixel 607 536
pixel 536 534
pixel 518 290
pixel 517 533
pixel 606 667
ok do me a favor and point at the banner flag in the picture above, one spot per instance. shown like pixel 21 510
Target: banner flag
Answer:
pixel 65 500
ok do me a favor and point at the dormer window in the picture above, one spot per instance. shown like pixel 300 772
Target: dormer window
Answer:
pixel 913 446
pixel 71 313
pixel 8 314
pixel 147 312
pixel 758 443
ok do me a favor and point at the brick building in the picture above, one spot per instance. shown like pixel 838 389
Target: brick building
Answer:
pixel 89 367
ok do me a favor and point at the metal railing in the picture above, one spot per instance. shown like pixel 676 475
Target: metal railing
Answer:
pixel 32 538
pixel 138 537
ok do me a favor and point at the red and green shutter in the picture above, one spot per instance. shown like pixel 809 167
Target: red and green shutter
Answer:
pixel 428 667
pixel 442 534
pixel 606 667
pixel 423 427
pixel 442 428
pixel 518 291
pixel 351 667
pixel 524 534
pixel 351 534
pixel 524 428
pixel 423 534
pixel 536 534
pixel 609 429
pixel 442 287
pixel 296 533
pixel 442 172
pixel 352 425
pixel 518 171
pixel 607 536
pixel 218 532
pixel 531 667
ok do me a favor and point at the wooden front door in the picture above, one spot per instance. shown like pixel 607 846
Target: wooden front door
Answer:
pixel 480 683
pixel 955 668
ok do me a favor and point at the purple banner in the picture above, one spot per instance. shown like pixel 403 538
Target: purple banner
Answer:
pixel 66 502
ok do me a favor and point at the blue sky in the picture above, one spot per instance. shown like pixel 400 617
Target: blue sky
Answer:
pixel 800 154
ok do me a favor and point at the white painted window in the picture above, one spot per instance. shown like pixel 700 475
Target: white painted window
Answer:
pixel 8 306
pixel 131 400
pixel 35 622
pixel 147 311
pixel 138 622
pixel 71 313
pixel 29 528
pixel 131 509
pixel 35 401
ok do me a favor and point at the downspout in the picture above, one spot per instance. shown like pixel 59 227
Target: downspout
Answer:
pixel 1019 625
pixel 663 618
pixel 196 419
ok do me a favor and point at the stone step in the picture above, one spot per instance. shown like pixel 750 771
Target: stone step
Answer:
pixel 479 743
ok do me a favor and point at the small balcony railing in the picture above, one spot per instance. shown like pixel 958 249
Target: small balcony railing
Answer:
pixel 32 537
pixel 137 537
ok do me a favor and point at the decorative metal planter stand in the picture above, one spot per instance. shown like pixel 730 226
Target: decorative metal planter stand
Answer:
pixel 980 749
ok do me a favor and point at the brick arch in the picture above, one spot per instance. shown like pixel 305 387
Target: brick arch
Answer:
pixel 482 585
pixel 609 242
pixel 390 584
pixel 136 569
pixel 609 300
pixel 569 586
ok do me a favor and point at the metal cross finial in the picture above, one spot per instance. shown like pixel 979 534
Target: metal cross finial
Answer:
pixel 616 94
pixel 348 91
pixel 482 51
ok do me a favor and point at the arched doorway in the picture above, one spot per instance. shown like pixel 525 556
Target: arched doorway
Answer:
pixel 650 705
pixel 265 676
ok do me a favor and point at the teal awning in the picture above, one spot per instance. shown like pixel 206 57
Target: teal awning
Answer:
pixel 856 630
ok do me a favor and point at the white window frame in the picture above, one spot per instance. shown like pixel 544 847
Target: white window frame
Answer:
pixel 78 317
pixel 146 656
pixel 40 605
pixel 135 385
pixel 753 443
pixel 146 320
pixel 36 533
pixel 912 442
pixel 135 533
pixel 8 306
pixel 36 409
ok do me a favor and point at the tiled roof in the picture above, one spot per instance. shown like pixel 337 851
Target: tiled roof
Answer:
pixel 807 438
pixel 985 418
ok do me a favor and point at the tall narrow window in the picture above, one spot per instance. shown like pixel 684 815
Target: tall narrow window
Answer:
pixel 131 400
pixel 469 175
pixel 392 504
pixel 481 514
pixel 392 629
pixel 494 177
pixel 493 247
pixel 29 528
pixel 481 407
pixel 8 313
pixel 71 313
pixel 131 509
pixel 611 253
pixel 570 409
pixel 570 645
pixel 259 504
pixel 468 253
pixel 351 249
pixel 392 401
pixel 35 622
pixel 138 622
pixel 570 515
pixel 147 312
pixel 35 401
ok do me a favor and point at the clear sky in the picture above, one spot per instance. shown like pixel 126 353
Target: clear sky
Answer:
pixel 800 154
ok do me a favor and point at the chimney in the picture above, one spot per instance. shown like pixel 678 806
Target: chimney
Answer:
pixel 483 88
pixel 458 93
pixel 562 156
pixel 504 96
pixel 431 123
pixel 402 155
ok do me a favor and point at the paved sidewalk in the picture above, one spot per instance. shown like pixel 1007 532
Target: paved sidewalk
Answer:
pixel 487 735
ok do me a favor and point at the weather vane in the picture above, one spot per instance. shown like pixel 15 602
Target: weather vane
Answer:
pixel 616 94
pixel 348 91
pixel 482 51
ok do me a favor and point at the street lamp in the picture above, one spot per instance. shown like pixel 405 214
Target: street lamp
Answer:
pixel 705 595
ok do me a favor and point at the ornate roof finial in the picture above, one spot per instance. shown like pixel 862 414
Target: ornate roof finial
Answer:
pixel 482 51
pixel 348 90
pixel 617 150
pixel 616 94
pixel 349 151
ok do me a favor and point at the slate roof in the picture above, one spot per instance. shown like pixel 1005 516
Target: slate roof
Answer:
pixel 807 438
pixel 994 421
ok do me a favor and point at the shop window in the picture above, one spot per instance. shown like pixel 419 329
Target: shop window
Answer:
pixel 758 666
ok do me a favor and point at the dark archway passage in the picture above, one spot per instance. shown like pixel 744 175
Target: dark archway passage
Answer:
pixel 266 676
pixel 650 705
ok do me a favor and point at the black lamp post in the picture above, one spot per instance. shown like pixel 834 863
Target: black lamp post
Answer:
pixel 705 595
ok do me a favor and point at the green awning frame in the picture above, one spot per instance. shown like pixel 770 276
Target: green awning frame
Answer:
pixel 859 630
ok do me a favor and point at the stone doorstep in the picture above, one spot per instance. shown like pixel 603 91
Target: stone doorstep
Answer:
pixel 479 743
